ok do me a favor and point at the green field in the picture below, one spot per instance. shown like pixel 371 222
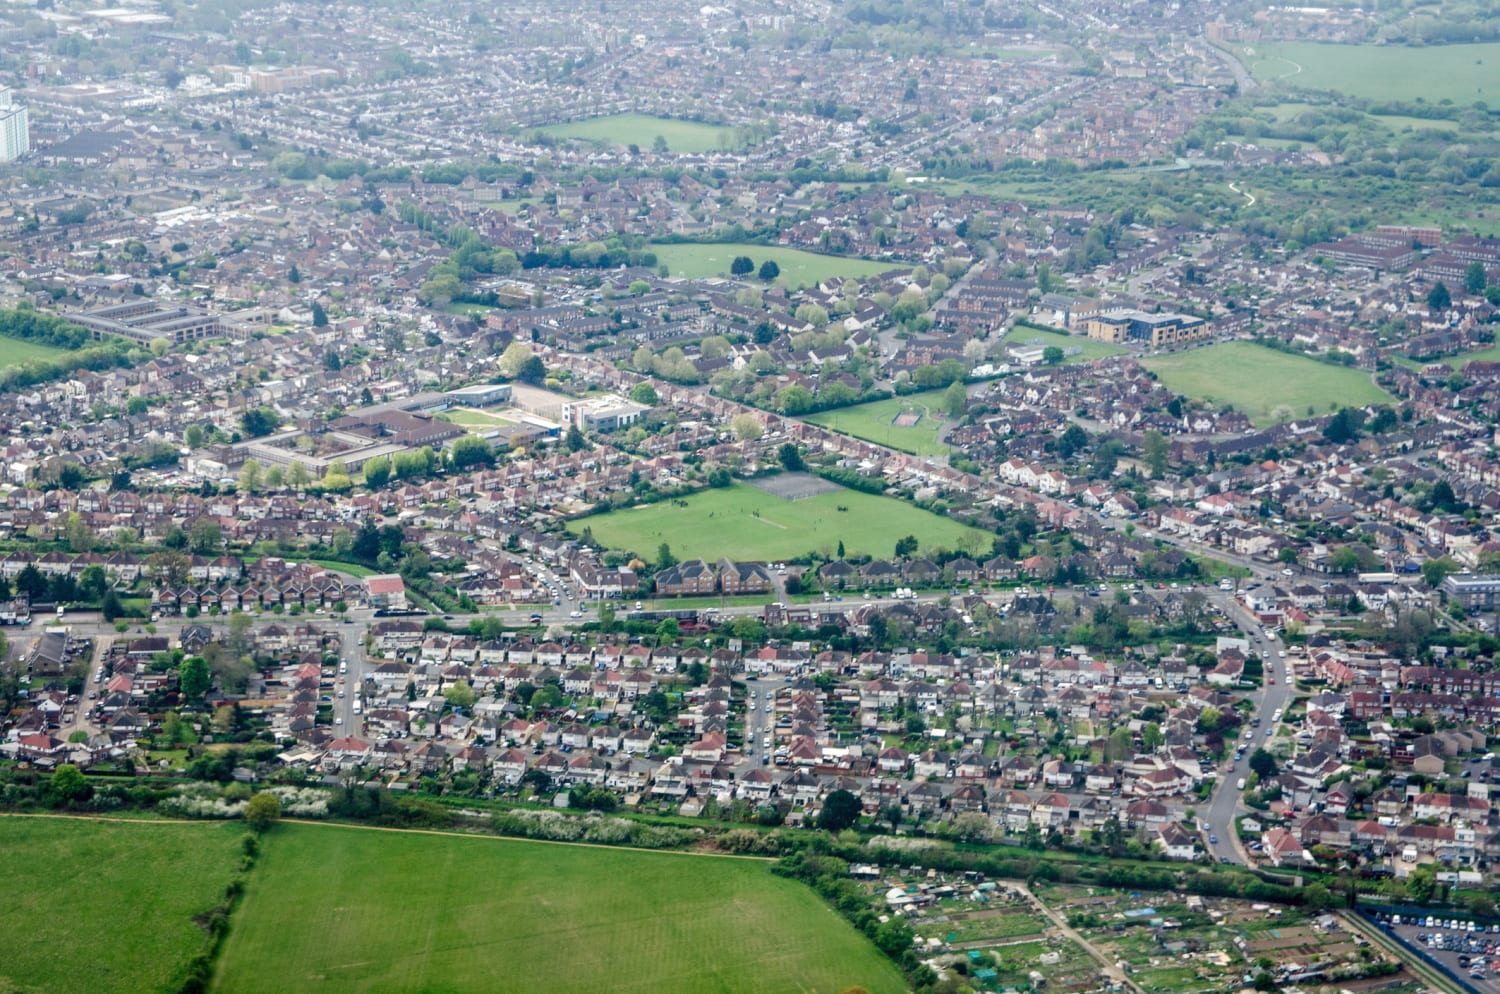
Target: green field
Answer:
pixel 95 908
pixel 345 910
pixel 470 418
pixel 872 422
pixel 719 523
pixel 1023 333
pixel 1257 381
pixel 642 131
pixel 798 268
pixel 1461 73
pixel 14 351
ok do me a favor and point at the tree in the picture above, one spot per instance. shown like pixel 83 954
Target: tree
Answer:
pixel 575 440
pixel 1155 450
pixel 192 677
pixel 378 471
pixel 192 436
pixel 840 811
pixel 205 537
pixel 955 400
pixel 769 270
pixel 746 427
pixel 533 371
pixel 250 476
pixel 1475 278
pixel 470 450
pixel 1434 570
pixel 644 393
pixel 513 358
pixel 906 546
pixel 1052 355
pixel 664 557
pixel 31 582
pixel 813 314
pixel 460 695
pixel 741 265
pixel 1262 763
pixel 1316 897
pixel 1344 426
pixel 68 783
pixel 259 421
pixel 791 458
pixel 262 811
pixel 1438 298
pixel 319 316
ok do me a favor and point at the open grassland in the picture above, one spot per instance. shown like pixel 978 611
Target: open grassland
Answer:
pixel 798 268
pixel 1258 381
pixel 642 130
pixel 14 351
pixel 745 523
pixel 1461 73
pixel 873 423
pixel 98 908
pixel 1023 333
pixel 344 910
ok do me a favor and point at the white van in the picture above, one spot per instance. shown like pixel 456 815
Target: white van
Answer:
pixel 1240 785
pixel 358 707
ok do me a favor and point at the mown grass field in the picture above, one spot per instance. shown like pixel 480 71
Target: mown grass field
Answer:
pixel 345 910
pixel 798 268
pixel 872 422
pixel 470 418
pixel 14 351
pixel 1257 381
pixel 718 523
pixel 99 908
pixel 642 130
pixel 1023 333
pixel 1461 73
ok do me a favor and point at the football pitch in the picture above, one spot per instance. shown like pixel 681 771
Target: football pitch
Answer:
pixel 744 523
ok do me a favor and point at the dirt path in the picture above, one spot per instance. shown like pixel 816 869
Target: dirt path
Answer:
pixel 1105 963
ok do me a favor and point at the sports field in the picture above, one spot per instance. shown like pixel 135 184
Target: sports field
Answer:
pixel 99 908
pixel 14 351
pixel 642 131
pixel 1461 73
pixel 339 909
pixel 470 418
pixel 1258 381
pixel 874 422
pixel 798 268
pixel 1023 333
pixel 742 522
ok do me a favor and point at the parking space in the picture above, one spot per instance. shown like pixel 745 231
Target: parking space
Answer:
pixel 1467 949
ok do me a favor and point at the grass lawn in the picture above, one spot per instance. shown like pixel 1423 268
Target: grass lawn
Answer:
pixel 1023 333
pixel 14 351
pixel 337 909
pixel 470 418
pixel 1491 354
pixel 642 131
pixel 1379 72
pixel 469 310
pixel 1258 380
pixel 719 523
pixel 872 422
pixel 97 908
pixel 798 268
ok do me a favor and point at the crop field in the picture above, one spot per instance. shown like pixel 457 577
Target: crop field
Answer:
pixel 1023 333
pixel 875 422
pixel 745 523
pixel 14 351
pixel 798 268
pixel 340 910
pixel 1261 383
pixel 642 130
pixel 99 908
pixel 1379 72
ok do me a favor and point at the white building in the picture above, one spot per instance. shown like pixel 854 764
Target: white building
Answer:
pixel 15 128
